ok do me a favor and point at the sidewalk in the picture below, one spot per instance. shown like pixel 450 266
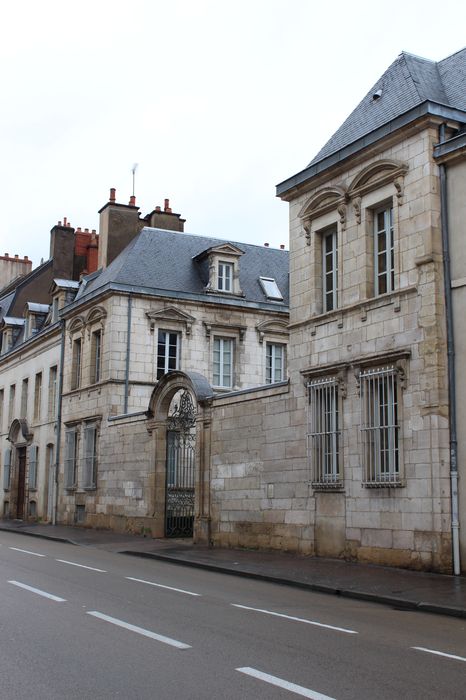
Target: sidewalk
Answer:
pixel 398 588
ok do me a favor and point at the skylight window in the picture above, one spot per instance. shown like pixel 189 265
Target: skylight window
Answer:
pixel 270 288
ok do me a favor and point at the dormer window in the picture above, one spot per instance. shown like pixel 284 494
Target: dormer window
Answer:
pixel 270 288
pixel 225 277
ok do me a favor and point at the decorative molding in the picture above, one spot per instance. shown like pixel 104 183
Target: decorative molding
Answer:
pixel 272 328
pixel 213 327
pixel 173 315
pixel 381 172
pixel 357 209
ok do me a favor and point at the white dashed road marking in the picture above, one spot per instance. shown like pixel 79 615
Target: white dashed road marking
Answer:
pixel 26 551
pixel 44 594
pixel 138 630
pixel 286 685
pixel 81 566
pixel 296 619
pixel 160 585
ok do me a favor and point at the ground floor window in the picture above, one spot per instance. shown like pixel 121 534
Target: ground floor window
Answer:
pixel 324 433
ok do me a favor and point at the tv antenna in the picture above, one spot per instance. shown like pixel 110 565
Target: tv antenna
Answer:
pixel 133 170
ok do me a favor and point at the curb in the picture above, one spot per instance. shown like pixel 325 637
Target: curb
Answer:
pixel 391 601
pixel 40 535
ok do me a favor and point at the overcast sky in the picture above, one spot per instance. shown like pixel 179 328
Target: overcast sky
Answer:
pixel 216 101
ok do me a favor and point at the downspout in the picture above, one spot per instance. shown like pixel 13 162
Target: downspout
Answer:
pixel 59 414
pixel 455 526
pixel 128 351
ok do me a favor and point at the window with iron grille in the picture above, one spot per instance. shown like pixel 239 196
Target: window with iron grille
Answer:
pixel 71 454
pixel 90 457
pixel 384 252
pixel 168 352
pixel 380 426
pixel 330 269
pixel 33 459
pixel 274 363
pixel 324 433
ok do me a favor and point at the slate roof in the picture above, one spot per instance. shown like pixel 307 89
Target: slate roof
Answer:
pixel 163 261
pixel 407 84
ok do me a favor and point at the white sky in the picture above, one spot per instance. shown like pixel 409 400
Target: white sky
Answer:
pixel 216 101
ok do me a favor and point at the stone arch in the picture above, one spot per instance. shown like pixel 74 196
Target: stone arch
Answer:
pixel 323 200
pixel 163 394
pixel 376 174
pixel 19 431
pixel 20 437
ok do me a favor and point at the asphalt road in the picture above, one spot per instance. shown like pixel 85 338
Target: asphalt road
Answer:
pixel 78 622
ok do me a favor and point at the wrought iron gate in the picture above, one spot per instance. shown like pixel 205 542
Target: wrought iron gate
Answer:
pixel 179 496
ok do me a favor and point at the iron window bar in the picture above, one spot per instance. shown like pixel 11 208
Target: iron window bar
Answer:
pixel 324 434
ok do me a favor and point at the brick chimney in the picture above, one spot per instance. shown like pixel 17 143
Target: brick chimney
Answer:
pixel 119 224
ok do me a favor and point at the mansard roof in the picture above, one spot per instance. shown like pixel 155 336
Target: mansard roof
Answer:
pixel 410 87
pixel 171 263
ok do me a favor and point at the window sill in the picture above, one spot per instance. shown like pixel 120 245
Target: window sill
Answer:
pixel 395 484
pixel 329 487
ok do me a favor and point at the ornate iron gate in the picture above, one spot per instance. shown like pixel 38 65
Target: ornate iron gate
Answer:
pixel 181 444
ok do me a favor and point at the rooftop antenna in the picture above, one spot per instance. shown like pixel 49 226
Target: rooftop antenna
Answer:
pixel 133 170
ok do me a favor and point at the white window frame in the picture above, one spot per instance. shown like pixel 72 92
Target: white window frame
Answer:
pixel 274 366
pixel 324 436
pixel 53 379
pixel 165 356
pixel 380 426
pixel 225 367
pixel 225 273
pixel 71 458
pixel 89 457
pixel 330 273
pixel 37 396
pixel 387 256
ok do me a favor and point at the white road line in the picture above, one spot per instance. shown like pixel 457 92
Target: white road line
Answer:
pixel 26 551
pixel 440 653
pixel 296 619
pixel 44 594
pixel 81 566
pixel 160 585
pixel 292 687
pixel 139 630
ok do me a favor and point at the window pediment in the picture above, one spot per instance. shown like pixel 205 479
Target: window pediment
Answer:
pixel 323 201
pixel 382 172
pixel 222 249
pixel 171 313
pixel 271 328
pixel 76 325
pixel 96 314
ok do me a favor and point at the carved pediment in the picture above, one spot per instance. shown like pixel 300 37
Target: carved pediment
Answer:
pixel 96 314
pixel 274 327
pixel 76 324
pixel 19 428
pixel 376 174
pixel 323 201
pixel 171 313
pixel 222 249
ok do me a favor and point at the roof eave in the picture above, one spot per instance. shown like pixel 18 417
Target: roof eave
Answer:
pixel 424 109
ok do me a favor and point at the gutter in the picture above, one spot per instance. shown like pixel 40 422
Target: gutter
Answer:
pixel 451 364
pixel 59 414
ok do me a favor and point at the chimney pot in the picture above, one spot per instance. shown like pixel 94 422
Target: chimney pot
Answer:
pixel 166 204
pixel 65 221
pixel 59 223
pixel 112 194
pixel 79 229
pixel 282 246
pixel 266 245
pixel 132 201
pixel 16 257
pixel 157 208
pixel 26 258
pixel 86 230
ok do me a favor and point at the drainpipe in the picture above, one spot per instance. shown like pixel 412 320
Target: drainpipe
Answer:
pixel 128 351
pixel 455 526
pixel 59 413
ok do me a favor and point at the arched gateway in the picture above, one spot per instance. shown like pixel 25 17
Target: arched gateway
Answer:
pixel 179 421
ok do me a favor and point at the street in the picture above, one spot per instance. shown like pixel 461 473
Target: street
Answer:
pixel 82 622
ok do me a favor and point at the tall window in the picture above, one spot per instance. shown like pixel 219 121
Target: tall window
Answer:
pixel 96 352
pixel 2 398
pixel 52 392
pixel 24 398
pixel 330 270
pixel 71 455
pixel 223 362
pixel 11 402
pixel 33 460
pixel 37 395
pixel 90 456
pixel 7 469
pixel 225 277
pixel 384 256
pixel 76 364
pixel 274 363
pixel 168 352
pixel 324 432
pixel 379 426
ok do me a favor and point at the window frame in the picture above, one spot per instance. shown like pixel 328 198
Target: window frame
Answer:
pixel 324 433
pixel 387 255
pixel 270 366
pixel 96 356
pixel 37 396
pixel 70 462
pixel 53 385
pixel 33 467
pixel 165 356
pixel 380 428
pixel 89 457
pixel 221 340
pixel 331 234
pixel 225 281
pixel 76 363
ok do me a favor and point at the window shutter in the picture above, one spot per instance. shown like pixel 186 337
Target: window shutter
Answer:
pixel 70 458
pixel 7 469
pixel 33 452
pixel 89 456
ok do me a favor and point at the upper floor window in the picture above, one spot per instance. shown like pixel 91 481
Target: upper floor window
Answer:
pixel 96 356
pixel 324 433
pixel 2 398
pixel 24 398
pixel 330 269
pixel 11 402
pixel 274 363
pixel 52 392
pixel 76 363
pixel 384 253
pixel 380 426
pixel 225 277
pixel 37 395
pixel 168 352
pixel 223 362
pixel 271 289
